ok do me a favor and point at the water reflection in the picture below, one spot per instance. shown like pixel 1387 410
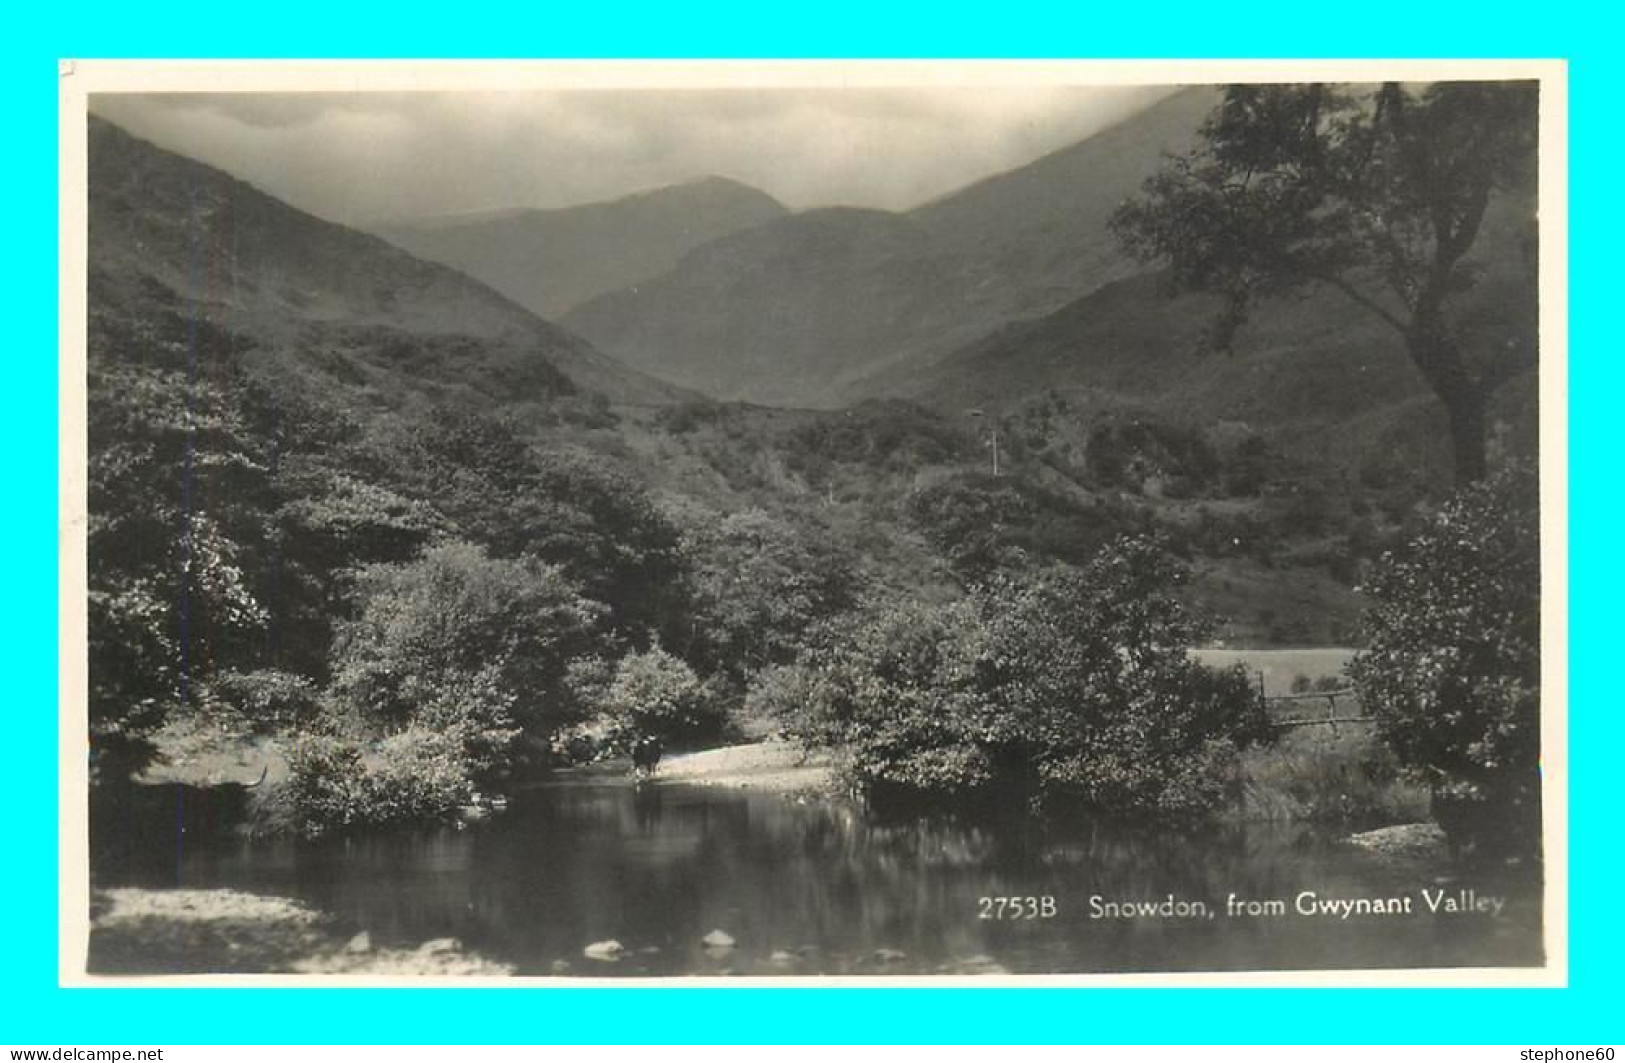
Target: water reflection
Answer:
pixel 812 888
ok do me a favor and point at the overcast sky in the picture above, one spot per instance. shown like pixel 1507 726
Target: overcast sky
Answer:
pixel 359 157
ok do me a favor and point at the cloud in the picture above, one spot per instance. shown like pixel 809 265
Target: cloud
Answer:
pixel 356 157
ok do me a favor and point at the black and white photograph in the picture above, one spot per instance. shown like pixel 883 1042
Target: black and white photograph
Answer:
pixel 815 523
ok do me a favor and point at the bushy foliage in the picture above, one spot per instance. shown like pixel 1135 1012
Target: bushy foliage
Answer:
pixel 334 785
pixel 1338 775
pixel 891 435
pixel 1135 453
pixel 1071 684
pixel 983 524
pixel 797 696
pixel 489 486
pixel 655 701
pixel 585 687
pixel 758 583
pixel 470 645
pixel 417 774
pixel 681 418
pixel 1452 666
pixel 177 484
pixel 266 699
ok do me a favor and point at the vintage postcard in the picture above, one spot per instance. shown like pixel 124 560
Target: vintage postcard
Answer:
pixel 813 523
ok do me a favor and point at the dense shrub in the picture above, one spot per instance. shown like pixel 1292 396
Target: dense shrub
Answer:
pixel 176 564
pixel 1073 684
pixel 795 696
pixel 654 702
pixel 681 418
pixel 490 486
pixel 333 785
pixel 982 524
pixel 320 792
pixel 1452 668
pixel 889 434
pixel 1341 775
pixel 471 646
pixel 266 699
pixel 757 584
pixel 417 774
pixel 1130 454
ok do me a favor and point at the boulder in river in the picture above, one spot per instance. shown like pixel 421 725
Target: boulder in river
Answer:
pixel 1421 841
pixel 604 950
pixel 718 939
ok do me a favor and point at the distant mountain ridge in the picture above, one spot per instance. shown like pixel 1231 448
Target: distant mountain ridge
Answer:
pixel 551 260
pixel 805 309
pixel 167 230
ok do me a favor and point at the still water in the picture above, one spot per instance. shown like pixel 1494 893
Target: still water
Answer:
pixel 817 888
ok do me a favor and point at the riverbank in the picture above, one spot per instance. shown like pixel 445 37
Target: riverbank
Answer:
pixel 771 766
pixel 222 931
pixel 196 752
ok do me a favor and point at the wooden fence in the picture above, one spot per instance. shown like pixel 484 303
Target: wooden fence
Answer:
pixel 1307 700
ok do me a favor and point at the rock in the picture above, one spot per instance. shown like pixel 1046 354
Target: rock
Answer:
pixel 781 957
pixel 978 964
pixel 561 966
pixel 604 950
pixel 890 955
pixel 1421 840
pixel 362 942
pixel 718 939
pixel 440 945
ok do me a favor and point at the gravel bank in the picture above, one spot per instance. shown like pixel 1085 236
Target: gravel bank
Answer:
pixel 772 765
pixel 140 931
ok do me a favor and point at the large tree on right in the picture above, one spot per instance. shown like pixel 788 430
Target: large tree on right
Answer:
pixel 1380 193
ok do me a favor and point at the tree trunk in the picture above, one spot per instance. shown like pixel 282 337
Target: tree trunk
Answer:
pixel 1466 415
pixel 1464 397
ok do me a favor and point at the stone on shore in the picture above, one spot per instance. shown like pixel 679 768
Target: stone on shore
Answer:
pixel 138 931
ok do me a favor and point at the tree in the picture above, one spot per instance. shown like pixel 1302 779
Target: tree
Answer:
pixel 1380 194
pixel 1452 666
pixel 1070 685
pixel 758 584
pixel 654 700
pixel 177 492
pixel 464 644
pixel 491 487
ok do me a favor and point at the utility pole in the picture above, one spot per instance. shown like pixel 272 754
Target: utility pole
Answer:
pixel 993 436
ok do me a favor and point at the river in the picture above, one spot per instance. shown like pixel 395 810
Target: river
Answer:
pixel 821 888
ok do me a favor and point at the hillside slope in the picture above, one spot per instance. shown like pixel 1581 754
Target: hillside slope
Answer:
pixel 551 260
pixel 171 235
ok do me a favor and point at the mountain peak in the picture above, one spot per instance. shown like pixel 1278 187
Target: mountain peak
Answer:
pixel 552 260
pixel 812 308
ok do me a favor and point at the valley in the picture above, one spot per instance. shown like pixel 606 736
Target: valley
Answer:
pixel 955 509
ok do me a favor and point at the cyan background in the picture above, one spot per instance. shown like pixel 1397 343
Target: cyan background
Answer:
pixel 34 35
